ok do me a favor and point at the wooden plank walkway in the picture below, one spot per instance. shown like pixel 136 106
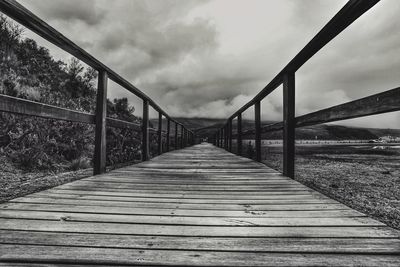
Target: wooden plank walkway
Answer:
pixel 197 206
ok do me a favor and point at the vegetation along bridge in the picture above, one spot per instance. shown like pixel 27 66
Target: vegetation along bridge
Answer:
pixel 196 204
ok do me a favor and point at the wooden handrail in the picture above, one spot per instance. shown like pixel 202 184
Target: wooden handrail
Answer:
pixel 387 101
pixel 346 16
pixel 19 13
pixel 380 103
pixel 20 106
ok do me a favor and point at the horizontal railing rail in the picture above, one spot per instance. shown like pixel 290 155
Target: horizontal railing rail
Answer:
pixel 387 101
pixel 14 105
pixel 384 102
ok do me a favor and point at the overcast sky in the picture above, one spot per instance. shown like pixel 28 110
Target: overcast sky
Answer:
pixel 208 58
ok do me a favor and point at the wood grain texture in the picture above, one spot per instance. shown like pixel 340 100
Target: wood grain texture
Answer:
pixel 99 157
pixel 387 101
pixel 197 206
pixel 26 107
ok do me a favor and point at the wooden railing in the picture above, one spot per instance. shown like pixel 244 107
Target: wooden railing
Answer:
pixel 387 101
pixel 14 105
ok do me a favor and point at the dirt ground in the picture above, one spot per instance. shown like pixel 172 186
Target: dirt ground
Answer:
pixel 16 183
pixel 365 179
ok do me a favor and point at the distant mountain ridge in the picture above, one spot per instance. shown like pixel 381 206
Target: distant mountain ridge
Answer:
pixel 206 127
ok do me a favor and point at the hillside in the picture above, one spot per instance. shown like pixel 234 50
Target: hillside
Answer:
pixel 29 71
pixel 206 127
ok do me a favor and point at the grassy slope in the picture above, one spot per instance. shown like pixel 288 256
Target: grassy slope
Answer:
pixel 207 127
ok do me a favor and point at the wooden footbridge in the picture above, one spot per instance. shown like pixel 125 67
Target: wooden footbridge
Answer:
pixel 195 204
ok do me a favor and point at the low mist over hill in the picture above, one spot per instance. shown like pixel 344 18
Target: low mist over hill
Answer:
pixel 206 127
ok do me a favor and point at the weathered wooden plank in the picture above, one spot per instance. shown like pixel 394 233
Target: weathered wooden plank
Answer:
pixel 239 134
pixel 187 220
pixel 168 141
pixel 250 207
pixel 145 131
pixel 159 134
pixel 111 122
pixel 131 257
pixel 192 187
pixel 184 196
pixel 191 182
pixel 183 230
pixel 384 102
pixel 244 244
pixel 26 107
pixel 288 124
pixel 99 157
pixel 185 200
pixel 183 212
pixel 257 124
pixel 387 101
pixel 188 192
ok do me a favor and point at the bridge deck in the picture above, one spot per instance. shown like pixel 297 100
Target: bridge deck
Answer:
pixel 196 206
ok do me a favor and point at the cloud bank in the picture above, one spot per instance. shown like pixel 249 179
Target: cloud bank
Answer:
pixel 208 58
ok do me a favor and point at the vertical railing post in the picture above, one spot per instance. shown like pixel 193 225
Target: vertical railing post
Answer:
pixel 159 133
pixel 226 137
pixel 184 137
pixel 187 137
pixel 230 135
pixel 176 135
pixel 168 134
pixel 145 130
pixel 257 118
pixel 288 124
pixel 99 158
pixel 239 134
pixel 223 137
pixel 182 130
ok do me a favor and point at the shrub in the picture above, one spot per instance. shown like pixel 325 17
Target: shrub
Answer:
pixel 80 163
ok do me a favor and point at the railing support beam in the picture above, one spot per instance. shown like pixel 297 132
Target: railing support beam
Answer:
pixel 168 134
pixel 289 124
pixel 99 165
pixel 176 135
pixel 182 135
pixel 257 118
pixel 239 134
pixel 230 135
pixel 159 133
pixel 145 131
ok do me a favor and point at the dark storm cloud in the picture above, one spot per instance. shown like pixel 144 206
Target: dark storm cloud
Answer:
pixel 85 11
pixel 212 62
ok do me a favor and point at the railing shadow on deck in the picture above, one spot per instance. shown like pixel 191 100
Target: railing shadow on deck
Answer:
pixel 384 102
pixel 182 137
